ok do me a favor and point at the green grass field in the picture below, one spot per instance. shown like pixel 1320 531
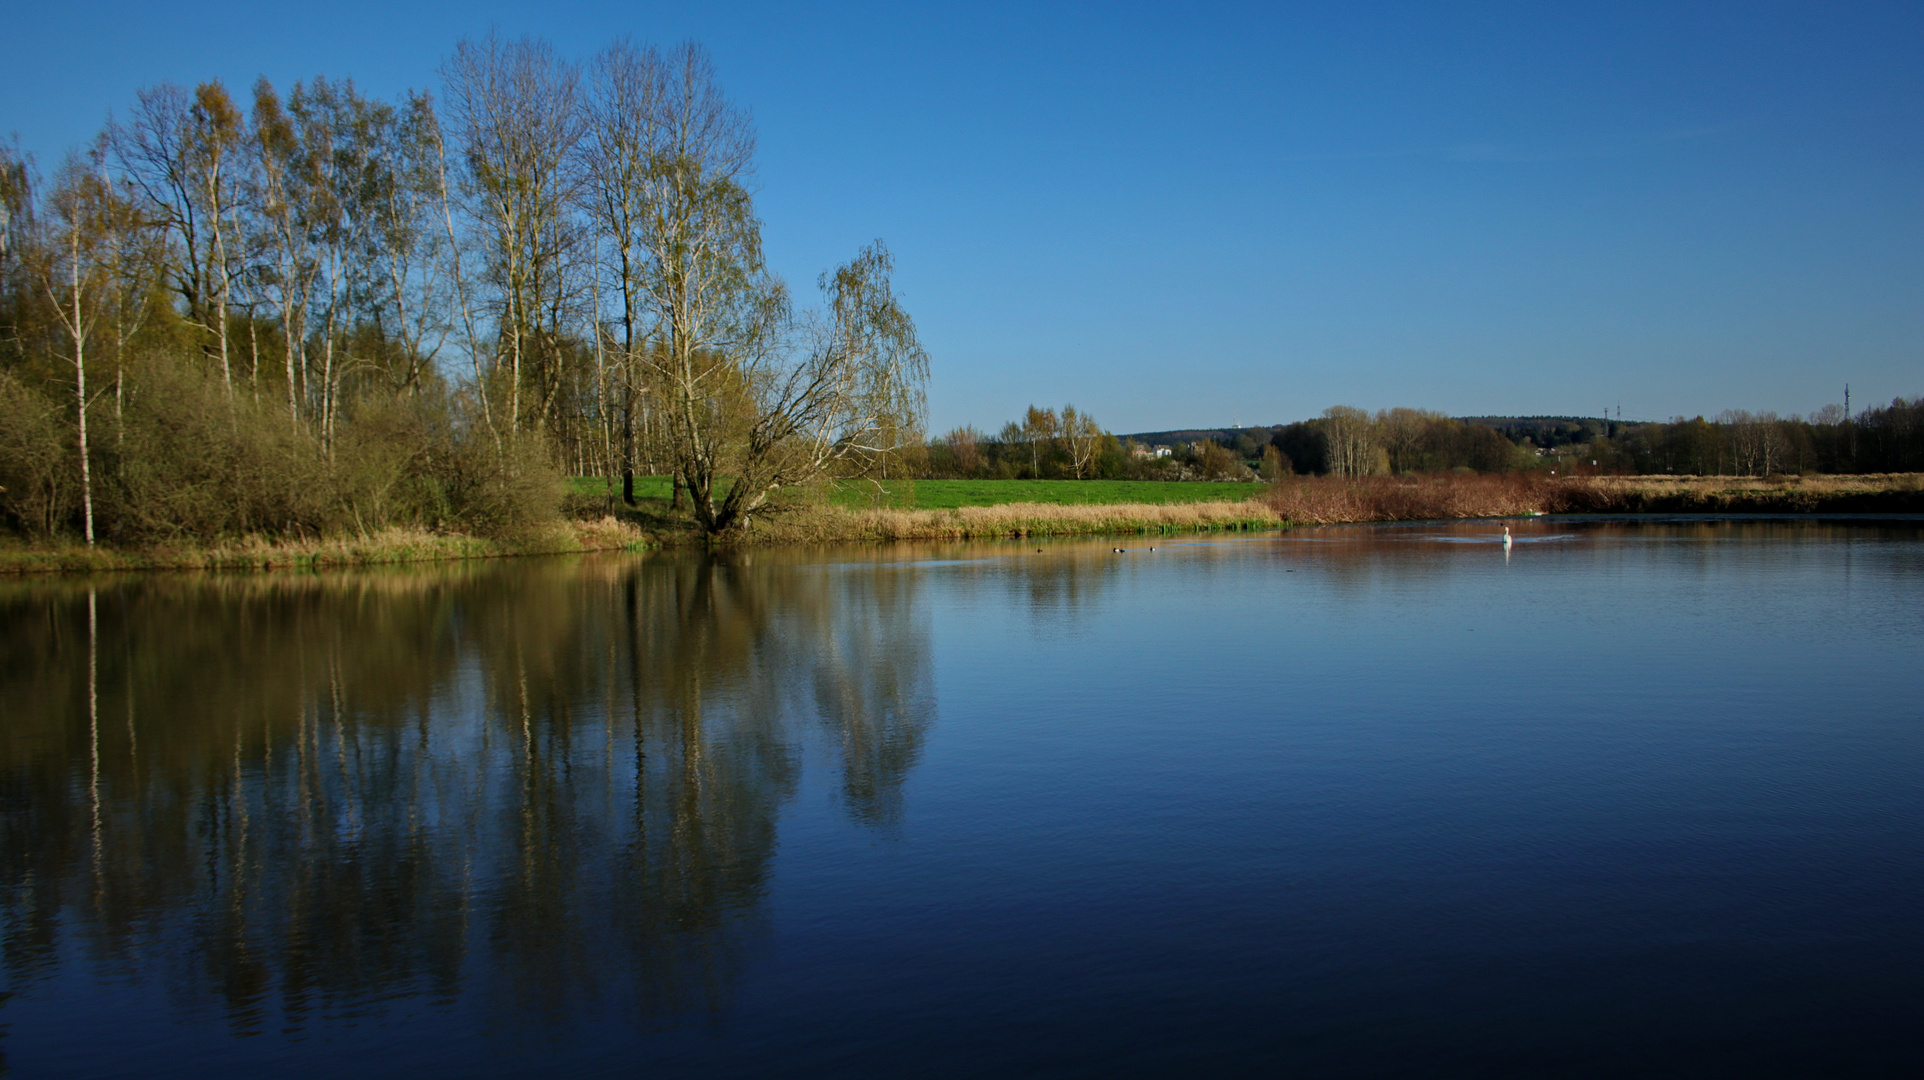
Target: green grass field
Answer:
pixel 947 494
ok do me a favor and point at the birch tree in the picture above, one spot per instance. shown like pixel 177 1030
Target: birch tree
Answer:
pixel 411 278
pixel 747 390
pixel 282 178
pixel 74 271
pixel 709 297
pixel 849 397
pixel 1039 429
pixel 216 134
pixel 516 112
pixel 180 152
pixel 621 142
pixel 1083 436
pixel 1352 440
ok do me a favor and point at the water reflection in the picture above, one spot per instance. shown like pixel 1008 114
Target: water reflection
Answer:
pixel 1427 556
pixel 539 786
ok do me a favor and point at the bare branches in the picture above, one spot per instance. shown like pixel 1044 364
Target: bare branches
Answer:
pixel 516 112
pixel 588 238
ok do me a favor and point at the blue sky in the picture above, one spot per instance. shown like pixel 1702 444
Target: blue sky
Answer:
pixel 1197 214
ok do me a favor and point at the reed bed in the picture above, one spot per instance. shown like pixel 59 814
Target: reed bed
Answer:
pixel 1327 500
pixel 1330 500
pixel 393 545
pixel 1838 494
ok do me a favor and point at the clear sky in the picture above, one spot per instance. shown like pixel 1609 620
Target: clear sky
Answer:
pixel 1192 214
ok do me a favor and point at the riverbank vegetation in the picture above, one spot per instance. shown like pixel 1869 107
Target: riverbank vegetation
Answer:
pixel 316 316
pixel 315 326
pixel 1332 500
pixel 952 510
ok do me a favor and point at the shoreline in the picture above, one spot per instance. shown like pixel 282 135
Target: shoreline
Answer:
pixel 1292 503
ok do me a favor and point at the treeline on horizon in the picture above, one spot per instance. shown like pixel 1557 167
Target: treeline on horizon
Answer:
pixel 1349 442
pixel 316 312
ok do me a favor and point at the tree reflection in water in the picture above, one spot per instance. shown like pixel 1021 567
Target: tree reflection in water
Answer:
pixel 546 787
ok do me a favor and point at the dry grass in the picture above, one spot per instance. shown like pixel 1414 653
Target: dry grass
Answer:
pixel 394 545
pixel 1871 493
pixel 1297 500
pixel 1328 500
pixel 832 524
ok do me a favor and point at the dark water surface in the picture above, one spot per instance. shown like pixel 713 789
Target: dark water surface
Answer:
pixel 1630 800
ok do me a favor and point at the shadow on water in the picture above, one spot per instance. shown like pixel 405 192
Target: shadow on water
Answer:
pixel 1626 799
pixel 546 786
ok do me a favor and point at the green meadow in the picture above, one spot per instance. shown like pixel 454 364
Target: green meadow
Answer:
pixel 949 494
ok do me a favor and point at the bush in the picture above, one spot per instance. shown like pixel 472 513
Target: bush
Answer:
pixel 422 461
pixel 181 461
pixel 39 468
pixel 189 464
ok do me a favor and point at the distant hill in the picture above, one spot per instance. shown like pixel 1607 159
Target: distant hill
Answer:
pixel 1540 430
pixel 1171 438
pixel 1552 430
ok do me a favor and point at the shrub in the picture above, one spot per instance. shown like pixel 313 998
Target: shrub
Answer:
pixel 39 470
pixel 182 461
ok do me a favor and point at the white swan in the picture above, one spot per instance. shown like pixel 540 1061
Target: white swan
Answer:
pixel 1506 538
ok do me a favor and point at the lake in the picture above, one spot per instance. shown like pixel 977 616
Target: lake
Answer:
pixel 1628 799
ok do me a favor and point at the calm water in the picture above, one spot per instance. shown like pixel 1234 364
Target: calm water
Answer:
pixel 1630 800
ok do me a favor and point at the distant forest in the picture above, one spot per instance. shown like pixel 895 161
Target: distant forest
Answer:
pixel 1347 441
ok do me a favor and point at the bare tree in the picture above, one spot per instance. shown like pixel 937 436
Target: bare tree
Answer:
pixel 281 179
pixel 965 449
pixel 180 152
pixel 1039 430
pixel 16 206
pixel 1402 433
pixel 410 255
pixel 217 137
pixel 74 270
pixel 1352 440
pixel 1083 436
pixel 157 153
pixel 624 135
pixel 849 400
pixel 341 134
pixel 1756 440
pixel 516 113
pixel 747 392
pixel 712 304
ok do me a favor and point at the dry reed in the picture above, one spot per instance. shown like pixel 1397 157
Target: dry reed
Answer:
pixel 1295 500
pixel 831 524
pixel 383 546
pixel 1329 500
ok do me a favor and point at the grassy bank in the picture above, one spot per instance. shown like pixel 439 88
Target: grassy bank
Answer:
pixel 377 548
pixel 1876 493
pixel 950 494
pixel 992 509
pixel 1327 500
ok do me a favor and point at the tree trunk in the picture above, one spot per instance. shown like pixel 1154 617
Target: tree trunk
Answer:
pixel 80 395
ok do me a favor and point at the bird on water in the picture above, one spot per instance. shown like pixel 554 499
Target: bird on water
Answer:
pixel 1506 538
